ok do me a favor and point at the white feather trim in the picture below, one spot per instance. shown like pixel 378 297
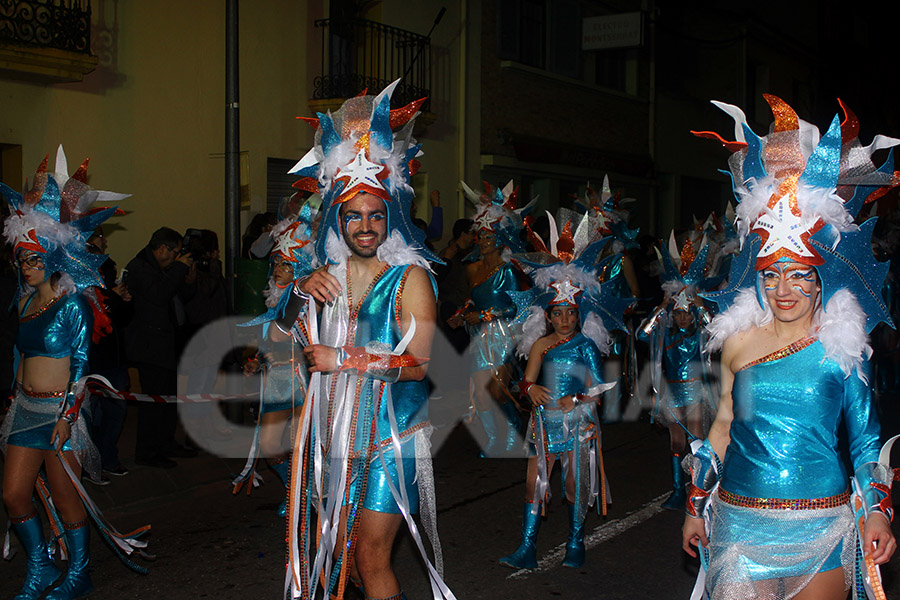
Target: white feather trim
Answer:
pixel 535 328
pixel 336 248
pixel 557 272
pixel 841 328
pixel 272 293
pixel 65 285
pixel 594 330
pixel 740 316
pixel 395 251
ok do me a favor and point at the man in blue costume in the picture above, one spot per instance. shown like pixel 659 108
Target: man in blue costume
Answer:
pixel 368 395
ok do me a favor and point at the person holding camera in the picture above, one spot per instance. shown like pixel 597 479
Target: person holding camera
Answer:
pixel 159 274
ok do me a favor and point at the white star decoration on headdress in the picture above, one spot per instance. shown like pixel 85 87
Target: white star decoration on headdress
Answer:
pixel 484 221
pixel 601 219
pixel 360 171
pixel 784 230
pixel 682 300
pixel 565 292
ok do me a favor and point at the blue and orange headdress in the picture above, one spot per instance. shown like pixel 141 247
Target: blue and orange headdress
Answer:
pixel 55 217
pixel 497 210
pixel 365 147
pixel 608 216
pixel 565 272
pixel 798 194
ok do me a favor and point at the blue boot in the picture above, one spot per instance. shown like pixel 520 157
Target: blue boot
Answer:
pixel 513 426
pixel 525 556
pixel 40 571
pixel 490 429
pixel 282 469
pixel 575 546
pixel 77 582
pixel 677 499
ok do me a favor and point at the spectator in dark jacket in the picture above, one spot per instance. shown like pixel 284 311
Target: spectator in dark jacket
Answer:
pixel 158 275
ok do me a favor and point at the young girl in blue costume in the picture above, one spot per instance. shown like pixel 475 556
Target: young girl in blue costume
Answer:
pixel 803 293
pixel 683 401
pixel 49 228
pixel 280 354
pixel 489 310
pixel 563 382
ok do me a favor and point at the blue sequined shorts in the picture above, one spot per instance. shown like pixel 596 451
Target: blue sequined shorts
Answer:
pixel 30 422
pixel 282 391
pixel 378 496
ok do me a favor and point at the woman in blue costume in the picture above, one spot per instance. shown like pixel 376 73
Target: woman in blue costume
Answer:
pixel 45 426
pixel 284 378
pixel 361 464
pixel 683 402
pixel 802 296
pixel 497 225
pixel 563 382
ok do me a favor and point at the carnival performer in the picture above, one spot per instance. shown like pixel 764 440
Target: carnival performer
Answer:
pixel 284 378
pixel 497 227
pixel 803 294
pixel 682 398
pixel 46 426
pixel 564 380
pixel 609 218
pixel 362 462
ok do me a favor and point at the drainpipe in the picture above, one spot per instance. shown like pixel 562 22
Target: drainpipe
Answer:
pixel 232 151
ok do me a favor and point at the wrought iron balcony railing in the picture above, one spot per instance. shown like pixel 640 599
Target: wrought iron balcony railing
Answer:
pixel 61 24
pixel 359 54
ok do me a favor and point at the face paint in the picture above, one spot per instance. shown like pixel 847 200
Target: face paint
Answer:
pixel 791 289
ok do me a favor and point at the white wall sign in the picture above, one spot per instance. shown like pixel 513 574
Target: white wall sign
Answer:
pixel 612 31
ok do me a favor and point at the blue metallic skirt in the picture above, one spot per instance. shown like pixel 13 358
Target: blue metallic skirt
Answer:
pixel 378 496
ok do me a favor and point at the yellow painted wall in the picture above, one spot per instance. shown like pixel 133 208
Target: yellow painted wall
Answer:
pixel 151 117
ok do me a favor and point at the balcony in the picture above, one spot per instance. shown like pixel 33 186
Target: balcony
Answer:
pixel 46 40
pixel 358 54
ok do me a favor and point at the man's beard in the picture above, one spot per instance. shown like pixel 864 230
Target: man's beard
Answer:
pixel 367 252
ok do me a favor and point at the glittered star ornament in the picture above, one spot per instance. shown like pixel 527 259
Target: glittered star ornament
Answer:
pixel 362 175
pixel 484 221
pixel 565 292
pixel 785 234
pixel 682 300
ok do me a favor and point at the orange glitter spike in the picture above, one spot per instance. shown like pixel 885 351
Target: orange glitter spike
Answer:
pixel 401 116
pixel 712 135
pixel 33 196
pixel 363 93
pixel 565 246
pixel 81 173
pixel 850 124
pixel 687 257
pixel 311 121
pixel 307 184
pixel 414 166
pixel 363 142
pixel 785 117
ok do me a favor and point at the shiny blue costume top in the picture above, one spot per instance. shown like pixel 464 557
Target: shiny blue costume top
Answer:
pixel 493 342
pixel 568 368
pixel 62 329
pixel 59 330
pixel 378 320
pixel 784 434
pixel 684 372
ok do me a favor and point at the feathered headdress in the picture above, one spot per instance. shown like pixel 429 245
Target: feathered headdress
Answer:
pixel 798 194
pixel 497 210
pixel 55 217
pixel 366 147
pixel 685 272
pixel 565 272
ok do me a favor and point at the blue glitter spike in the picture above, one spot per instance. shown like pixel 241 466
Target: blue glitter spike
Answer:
pixel 733 184
pixel 753 166
pixel 13 197
pixel 380 128
pixel 524 301
pixel 89 223
pixel 330 138
pixel 588 257
pixel 742 276
pixel 670 271
pixel 824 164
pixel 50 200
pixel 695 272
pixel 853 266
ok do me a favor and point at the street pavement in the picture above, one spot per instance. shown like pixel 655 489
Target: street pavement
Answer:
pixel 211 544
